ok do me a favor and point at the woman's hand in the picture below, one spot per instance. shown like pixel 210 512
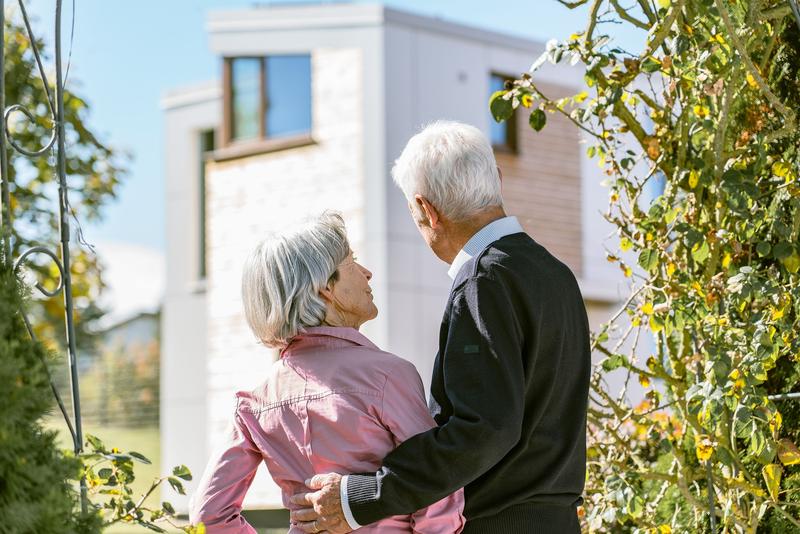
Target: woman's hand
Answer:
pixel 324 512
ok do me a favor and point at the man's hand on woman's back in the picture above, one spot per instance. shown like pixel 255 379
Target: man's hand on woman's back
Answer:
pixel 323 508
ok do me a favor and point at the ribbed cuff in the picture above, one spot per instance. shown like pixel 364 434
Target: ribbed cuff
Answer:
pixel 362 497
pixel 348 515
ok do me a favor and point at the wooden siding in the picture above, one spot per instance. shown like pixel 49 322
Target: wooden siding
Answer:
pixel 542 183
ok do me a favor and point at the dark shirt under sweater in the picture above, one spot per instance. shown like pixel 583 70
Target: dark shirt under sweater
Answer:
pixel 509 393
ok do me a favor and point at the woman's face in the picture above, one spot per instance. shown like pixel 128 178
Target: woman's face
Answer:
pixel 349 298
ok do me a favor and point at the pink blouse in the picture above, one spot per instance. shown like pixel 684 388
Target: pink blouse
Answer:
pixel 334 402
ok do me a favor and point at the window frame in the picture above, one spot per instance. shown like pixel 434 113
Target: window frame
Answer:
pixel 511 146
pixel 232 147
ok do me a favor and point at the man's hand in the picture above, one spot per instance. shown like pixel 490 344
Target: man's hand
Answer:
pixel 323 512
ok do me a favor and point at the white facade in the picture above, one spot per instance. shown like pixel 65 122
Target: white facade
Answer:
pixel 377 76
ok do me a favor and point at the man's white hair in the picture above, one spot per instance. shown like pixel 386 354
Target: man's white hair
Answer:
pixel 452 165
pixel 283 275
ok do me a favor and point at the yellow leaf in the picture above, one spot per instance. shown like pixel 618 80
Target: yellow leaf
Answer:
pixel 670 269
pixel 777 313
pixel 655 324
pixel 704 448
pixel 636 321
pixel 625 244
pixel 776 422
pixel 694 179
pixel 627 271
pixel 644 380
pixel 580 97
pixel 726 260
pixel 647 308
pixel 701 111
pixel 664 529
pixel 751 81
pixel 788 453
pixel 664 3
pixel 783 170
pixel 772 476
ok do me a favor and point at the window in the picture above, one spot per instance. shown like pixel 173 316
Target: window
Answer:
pixel 206 146
pixel 503 135
pixel 267 97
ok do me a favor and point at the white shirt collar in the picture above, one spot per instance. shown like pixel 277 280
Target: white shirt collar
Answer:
pixel 482 239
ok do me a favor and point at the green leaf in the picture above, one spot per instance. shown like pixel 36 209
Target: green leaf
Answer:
pixel 176 485
pixel 183 472
pixel 537 119
pixel 700 251
pixel 167 506
pixel 792 263
pixel 763 249
pixel 501 108
pixel 651 65
pixel 743 422
pixel 614 362
pixel 95 442
pixel 782 251
pixel 648 259
pixel 105 473
pixel 140 457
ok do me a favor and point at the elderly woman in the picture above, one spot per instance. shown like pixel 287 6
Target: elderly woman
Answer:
pixel 334 402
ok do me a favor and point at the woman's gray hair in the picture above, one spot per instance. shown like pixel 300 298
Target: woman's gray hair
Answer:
pixel 452 165
pixel 282 278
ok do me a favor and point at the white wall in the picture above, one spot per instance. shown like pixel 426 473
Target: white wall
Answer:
pixel 183 320
pixel 434 71
pixel 250 197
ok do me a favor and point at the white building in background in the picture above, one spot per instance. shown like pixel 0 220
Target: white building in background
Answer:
pixel 312 106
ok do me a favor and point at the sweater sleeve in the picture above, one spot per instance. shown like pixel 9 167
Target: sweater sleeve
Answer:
pixel 405 414
pixel 217 503
pixel 484 381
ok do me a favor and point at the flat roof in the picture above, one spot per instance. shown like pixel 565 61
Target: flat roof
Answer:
pixel 344 16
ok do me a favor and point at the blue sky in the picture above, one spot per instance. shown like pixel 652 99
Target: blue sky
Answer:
pixel 126 54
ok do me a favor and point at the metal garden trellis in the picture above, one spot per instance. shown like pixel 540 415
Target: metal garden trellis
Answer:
pixel 55 104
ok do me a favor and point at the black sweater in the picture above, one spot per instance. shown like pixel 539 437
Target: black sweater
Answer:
pixel 509 393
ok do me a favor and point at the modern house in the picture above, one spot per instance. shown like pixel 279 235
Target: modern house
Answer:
pixel 312 106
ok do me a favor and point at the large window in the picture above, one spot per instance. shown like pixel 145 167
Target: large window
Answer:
pixel 267 97
pixel 503 134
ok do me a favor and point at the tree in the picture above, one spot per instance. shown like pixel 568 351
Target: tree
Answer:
pixel 708 109
pixel 36 494
pixel 94 171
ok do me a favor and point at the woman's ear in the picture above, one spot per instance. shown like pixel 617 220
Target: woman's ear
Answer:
pixel 327 293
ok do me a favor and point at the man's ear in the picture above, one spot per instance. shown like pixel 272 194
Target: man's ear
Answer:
pixel 429 211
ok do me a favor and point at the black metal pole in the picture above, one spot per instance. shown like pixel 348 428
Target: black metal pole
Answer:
pixel 5 215
pixel 63 223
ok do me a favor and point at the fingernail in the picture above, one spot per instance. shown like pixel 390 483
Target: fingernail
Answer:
pixel 307 481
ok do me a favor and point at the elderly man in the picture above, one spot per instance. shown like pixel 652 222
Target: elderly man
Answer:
pixel 510 382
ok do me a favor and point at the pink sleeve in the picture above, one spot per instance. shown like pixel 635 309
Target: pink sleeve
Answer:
pixel 217 503
pixel 405 414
